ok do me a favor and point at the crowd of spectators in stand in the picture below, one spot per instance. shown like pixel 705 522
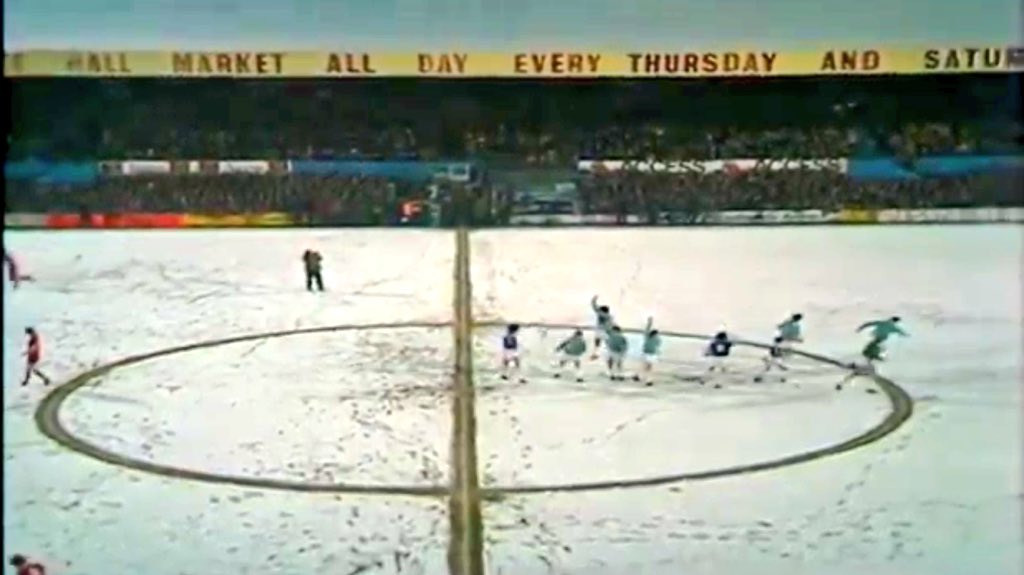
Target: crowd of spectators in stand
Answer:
pixel 697 193
pixel 536 123
pixel 369 201
pixel 336 199
pixel 523 125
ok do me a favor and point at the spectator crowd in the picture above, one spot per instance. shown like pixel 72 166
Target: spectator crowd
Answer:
pixel 338 200
pixel 694 194
pixel 522 125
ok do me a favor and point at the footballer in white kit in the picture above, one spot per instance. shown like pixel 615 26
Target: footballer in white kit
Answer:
pixel 510 360
pixel 604 323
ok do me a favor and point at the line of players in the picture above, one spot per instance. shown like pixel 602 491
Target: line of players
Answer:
pixel 572 350
pixel 606 332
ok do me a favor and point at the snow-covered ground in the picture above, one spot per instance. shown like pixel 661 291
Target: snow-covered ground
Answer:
pixel 940 496
pixel 558 432
pixel 101 296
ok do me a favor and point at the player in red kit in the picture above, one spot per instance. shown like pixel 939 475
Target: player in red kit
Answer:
pixel 33 353
pixel 26 567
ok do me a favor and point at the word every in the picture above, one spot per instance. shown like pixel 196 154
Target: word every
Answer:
pixel 557 64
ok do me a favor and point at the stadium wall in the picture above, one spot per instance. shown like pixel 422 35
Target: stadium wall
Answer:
pixel 87 172
pixel 54 172
pixel 402 170
pixel 893 169
pixel 980 215
pixel 884 168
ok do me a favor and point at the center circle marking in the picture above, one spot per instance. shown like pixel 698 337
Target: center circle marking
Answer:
pixel 47 418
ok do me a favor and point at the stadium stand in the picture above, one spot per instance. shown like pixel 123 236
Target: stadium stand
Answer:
pixel 861 142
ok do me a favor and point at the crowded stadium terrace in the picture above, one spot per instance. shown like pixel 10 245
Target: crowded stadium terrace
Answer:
pixel 516 126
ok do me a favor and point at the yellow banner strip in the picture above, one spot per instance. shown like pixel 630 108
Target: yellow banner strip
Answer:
pixel 582 64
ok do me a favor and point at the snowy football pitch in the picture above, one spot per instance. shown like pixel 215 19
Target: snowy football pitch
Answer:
pixel 367 402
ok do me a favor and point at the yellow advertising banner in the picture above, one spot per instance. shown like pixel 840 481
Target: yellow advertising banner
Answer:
pixel 265 220
pixel 857 216
pixel 561 64
pixel 271 220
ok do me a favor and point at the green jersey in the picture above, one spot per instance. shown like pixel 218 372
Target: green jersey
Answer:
pixel 789 330
pixel 882 330
pixel 652 341
pixel 575 346
pixel 604 319
pixel 617 342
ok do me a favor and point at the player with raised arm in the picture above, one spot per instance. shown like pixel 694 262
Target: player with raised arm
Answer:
pixel 882 329
pixel 510 352
pixel 604 323
pixel 617 348
pixel 572 350
pixel 33 355
pixel 651 350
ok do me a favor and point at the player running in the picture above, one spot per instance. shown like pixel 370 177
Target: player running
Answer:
pixel 776 353
pixel 617 348
pixel 872 353
pixel 882 329
pixel 604 324
pixel 33 354
pixel 651 350
pixel 510 352
pixel 572 351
